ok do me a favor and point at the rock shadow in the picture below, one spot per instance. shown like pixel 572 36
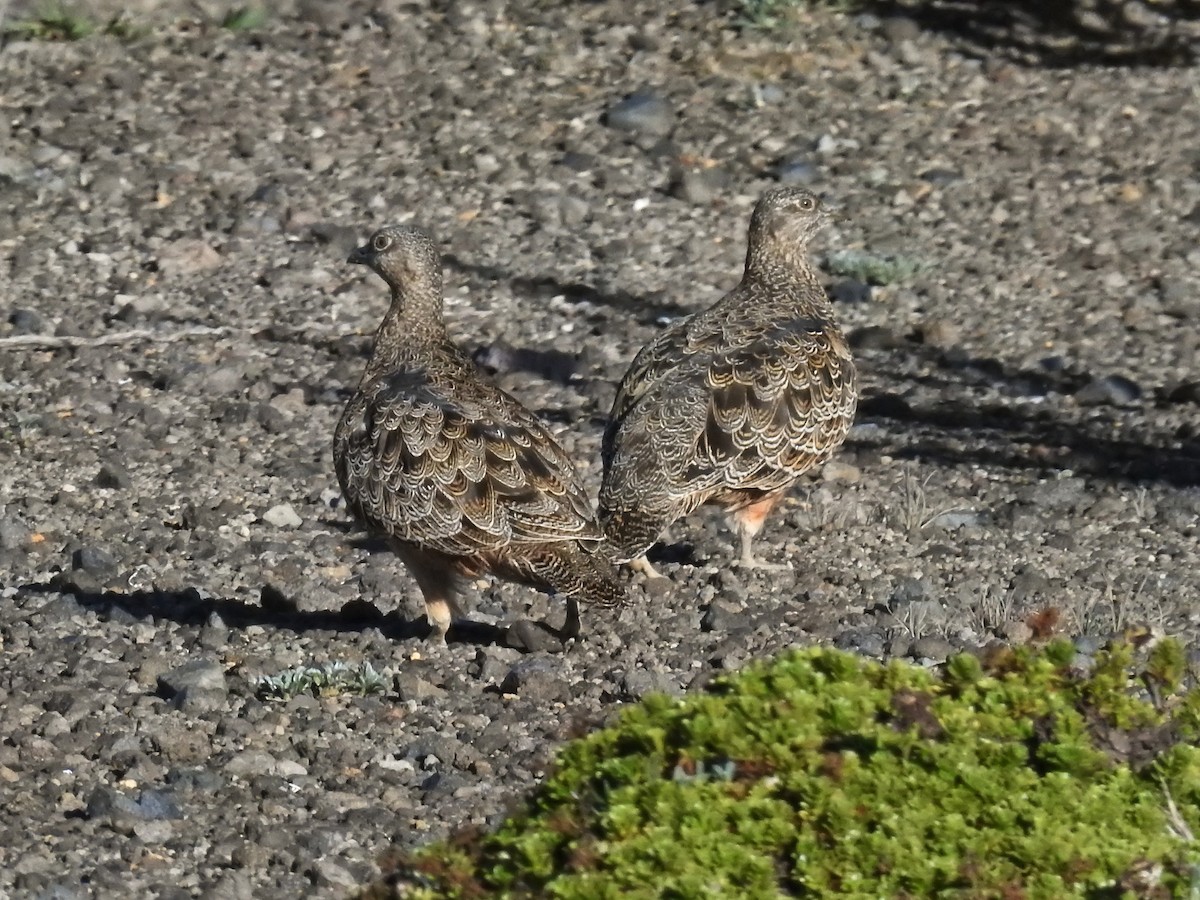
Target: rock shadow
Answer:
pixel 547 286
pixel 274 611
pixel 1108 441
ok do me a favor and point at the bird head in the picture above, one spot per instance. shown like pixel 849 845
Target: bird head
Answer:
pixel 404 256
pixel 791 215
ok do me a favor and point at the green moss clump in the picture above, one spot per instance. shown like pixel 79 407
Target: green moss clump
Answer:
pixel 823 774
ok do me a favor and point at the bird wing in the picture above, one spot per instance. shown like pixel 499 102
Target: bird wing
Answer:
pixel 777 405
pixel 752 416
pixel 662 370
pixel 460 471
pixel 652 362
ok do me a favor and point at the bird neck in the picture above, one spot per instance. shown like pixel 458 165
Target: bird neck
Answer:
pixel 784 270
pixel 774 253
pixel 413 324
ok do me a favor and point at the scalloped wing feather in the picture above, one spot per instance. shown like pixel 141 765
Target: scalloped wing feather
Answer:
pixel 777 407
pixel 751 417
pixel 462 475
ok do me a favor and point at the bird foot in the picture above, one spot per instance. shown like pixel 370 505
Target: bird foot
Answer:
pixel 642 566
pixel 440 614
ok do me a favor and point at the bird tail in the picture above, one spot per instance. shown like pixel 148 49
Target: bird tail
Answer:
pixel 628 533
pixel 599 584
pixel 567 568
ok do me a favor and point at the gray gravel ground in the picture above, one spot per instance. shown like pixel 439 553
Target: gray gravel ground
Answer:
pixel 170 527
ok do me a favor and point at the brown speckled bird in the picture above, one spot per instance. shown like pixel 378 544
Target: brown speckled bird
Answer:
pixel 731 405
pixel 461 477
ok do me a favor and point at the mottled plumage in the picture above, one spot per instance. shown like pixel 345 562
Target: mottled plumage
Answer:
pixel 731 405
pixel 460 476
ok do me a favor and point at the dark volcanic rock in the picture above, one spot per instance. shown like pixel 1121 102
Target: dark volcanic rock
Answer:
pixel 643 112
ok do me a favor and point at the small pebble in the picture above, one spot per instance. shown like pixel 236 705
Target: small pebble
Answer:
pixel 282 516
pixel 939 333
pixel 722 617
pixel 941 177
pixel 27 321
pixel 850 290
pixel 898 29
pixel 643 112
pixel 198 686
pixel 94 561
pixel 1110 390
pixel 537 679
pixel 796 170
pixel 14 535
pixel 114 476
pixel 638 683
pixel 931 647
pixel 841 472
pixel 696 187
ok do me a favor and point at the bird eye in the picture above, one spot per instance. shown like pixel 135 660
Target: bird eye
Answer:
pixel 808 204
pixel 381 242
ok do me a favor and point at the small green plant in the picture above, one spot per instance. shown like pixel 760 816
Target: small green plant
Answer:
pixel 245 18
pixel 694 772
pixel 823 774
pixel 52 23
pixel 57 23
pixel 765 14
pixel 873 268
pixel 768 15
pixel 328 680
pixel 124 29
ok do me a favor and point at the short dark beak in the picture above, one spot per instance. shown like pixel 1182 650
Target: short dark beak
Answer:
pixel 360 256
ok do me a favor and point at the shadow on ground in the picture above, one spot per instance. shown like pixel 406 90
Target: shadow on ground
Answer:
pixel 1109 442
pixel 547 286
pixel 274 611
pixel 1059 33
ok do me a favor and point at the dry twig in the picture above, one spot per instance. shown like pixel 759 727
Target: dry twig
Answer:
pixel 57 341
